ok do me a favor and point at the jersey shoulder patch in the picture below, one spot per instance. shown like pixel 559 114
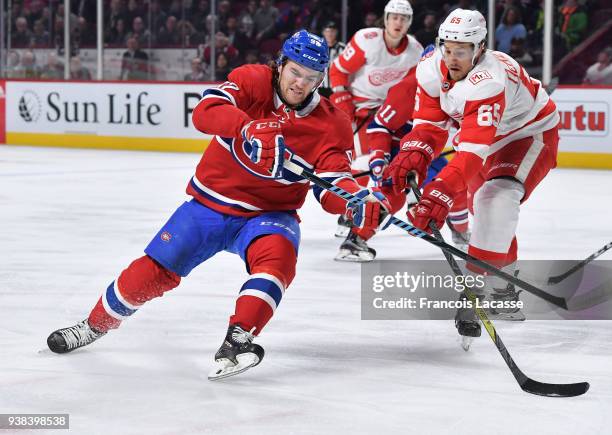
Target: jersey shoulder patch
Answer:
pixel 478 76
pixel 368 38
pixel 485 87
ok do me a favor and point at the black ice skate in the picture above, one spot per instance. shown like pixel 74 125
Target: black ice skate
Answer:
pixel 355 249
pixel 68 339
pixel 344 226
pixel 467 324
pixel 510 296
pixel 237 354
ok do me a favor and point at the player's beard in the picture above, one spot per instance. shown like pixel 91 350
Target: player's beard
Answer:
pixel 279 92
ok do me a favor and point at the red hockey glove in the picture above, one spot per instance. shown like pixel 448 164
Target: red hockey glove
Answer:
pixel 379 160
pixel 265 145
pixel 434 206
pixel 374 213
pixel 343 100
pixel 414 158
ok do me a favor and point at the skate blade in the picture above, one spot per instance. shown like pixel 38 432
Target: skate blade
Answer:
pixel 225 368
pixel 342 231
pixel 466 342
pixel 511 317
pixel 348 256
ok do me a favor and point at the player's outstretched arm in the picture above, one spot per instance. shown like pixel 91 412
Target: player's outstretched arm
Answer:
pixel 220 111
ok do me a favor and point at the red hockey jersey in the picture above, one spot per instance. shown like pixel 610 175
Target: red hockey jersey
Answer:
pixel 317 137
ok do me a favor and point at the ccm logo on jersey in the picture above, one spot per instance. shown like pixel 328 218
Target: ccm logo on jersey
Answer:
pixel 442 197
pixel 479 76
pixel 370 35
pixel 271 124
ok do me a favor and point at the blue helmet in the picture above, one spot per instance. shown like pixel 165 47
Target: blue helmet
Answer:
pixel 307 49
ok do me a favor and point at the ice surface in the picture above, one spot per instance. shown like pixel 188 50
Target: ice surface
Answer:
pixel 71 220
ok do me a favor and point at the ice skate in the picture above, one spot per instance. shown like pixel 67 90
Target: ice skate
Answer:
pixel 344 226
pixel 68 339
pixel 510 296
pixel 467 323
pixel 355 249
pixel 237 354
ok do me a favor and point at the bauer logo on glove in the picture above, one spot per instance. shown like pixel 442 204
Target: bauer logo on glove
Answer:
pixel 435 203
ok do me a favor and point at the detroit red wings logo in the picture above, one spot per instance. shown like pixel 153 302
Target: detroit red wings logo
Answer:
pixel 381 77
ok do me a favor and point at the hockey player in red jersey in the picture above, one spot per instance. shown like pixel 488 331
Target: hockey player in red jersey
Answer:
pixel 392 121
pixel 506 144
pixel 373 61
pixel 244 201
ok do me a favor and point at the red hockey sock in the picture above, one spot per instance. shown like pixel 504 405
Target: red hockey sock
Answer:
pixel 458 215
pixel 271 260
pixel 498 259
pixel 142 281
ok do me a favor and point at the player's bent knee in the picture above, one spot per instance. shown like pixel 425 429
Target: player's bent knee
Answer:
pixel 273 254
pixel 500 189
pixel 145 279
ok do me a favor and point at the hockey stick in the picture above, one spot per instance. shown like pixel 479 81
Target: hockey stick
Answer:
pixel 364 120
pixel 415 232
pixel 526 383
pixel 557 279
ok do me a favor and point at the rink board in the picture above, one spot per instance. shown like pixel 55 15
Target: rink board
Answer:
pixel 106 115
pixel 157 117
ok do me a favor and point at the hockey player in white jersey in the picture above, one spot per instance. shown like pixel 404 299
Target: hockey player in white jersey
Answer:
pixel 373 61
pixel 507 143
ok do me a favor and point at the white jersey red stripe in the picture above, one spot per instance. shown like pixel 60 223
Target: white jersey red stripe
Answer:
pixel 494 105
pixel 368 68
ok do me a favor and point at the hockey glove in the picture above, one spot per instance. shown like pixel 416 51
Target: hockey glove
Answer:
pixel 265 145
pixel 379 160
pixel 373 213
pixel 414 158
pixel 434 206
pixel 343 100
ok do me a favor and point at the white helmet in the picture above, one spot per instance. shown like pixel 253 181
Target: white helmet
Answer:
pixel 463 25
pixel 401 7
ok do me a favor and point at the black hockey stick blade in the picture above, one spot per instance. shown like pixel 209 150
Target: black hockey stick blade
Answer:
pixel 554 390
pixel 557 279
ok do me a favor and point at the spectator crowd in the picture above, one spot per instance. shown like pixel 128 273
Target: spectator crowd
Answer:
pixel 251 31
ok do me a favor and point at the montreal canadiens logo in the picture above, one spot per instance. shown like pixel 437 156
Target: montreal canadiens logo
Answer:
pixel 166 236
pixel 241 150
pixel 380 77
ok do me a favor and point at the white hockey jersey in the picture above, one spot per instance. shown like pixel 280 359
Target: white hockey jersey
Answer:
pixel 368 68
pixel 494 105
